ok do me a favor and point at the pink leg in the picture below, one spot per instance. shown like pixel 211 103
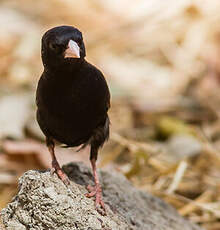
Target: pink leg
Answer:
pixel 96 190
pixel 55 165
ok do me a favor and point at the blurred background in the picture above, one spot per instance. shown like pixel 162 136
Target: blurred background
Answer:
pixel 162 62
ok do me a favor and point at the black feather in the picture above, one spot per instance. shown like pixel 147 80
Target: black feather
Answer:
pixel 72 95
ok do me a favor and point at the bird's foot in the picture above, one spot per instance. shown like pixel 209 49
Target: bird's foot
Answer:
pixel 97 192
pixel 57 169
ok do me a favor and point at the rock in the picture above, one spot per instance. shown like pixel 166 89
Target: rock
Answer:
pixel 43 202
pixel 179 147
pixel 183 146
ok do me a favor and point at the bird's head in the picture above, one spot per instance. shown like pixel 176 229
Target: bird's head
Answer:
pixel 62 45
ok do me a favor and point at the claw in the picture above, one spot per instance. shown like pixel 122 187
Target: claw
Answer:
pixel 97 192
pixel 56 169
pixel 55 165
pixel 90 188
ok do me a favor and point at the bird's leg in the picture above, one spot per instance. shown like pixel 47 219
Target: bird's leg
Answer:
pixel 96 190
pixel 55 165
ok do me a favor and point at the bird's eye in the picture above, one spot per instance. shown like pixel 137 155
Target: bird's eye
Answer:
pixel 54 47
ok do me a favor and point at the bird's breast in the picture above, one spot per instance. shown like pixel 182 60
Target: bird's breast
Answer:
pixel 71 109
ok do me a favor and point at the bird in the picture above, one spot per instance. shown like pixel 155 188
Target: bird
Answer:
pixel 73 100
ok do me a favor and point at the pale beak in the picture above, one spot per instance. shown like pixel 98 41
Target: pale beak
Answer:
pixel 72 51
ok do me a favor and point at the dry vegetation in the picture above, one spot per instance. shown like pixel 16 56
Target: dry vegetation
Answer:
pixel 162 60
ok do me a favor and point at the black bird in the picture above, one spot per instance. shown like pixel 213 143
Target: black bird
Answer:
pixel 72 99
